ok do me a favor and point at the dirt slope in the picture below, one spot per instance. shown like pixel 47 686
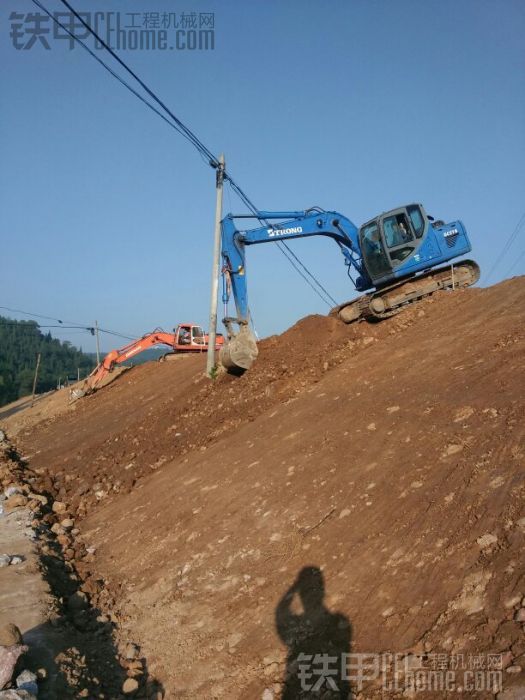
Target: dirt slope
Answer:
pixel 389 456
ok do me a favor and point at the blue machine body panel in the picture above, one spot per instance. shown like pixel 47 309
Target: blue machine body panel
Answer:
pixel 393 246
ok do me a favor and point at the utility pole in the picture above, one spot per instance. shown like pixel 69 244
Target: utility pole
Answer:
pixel 98 342
pixel 78 374
pixel 212 332
pixel 35 379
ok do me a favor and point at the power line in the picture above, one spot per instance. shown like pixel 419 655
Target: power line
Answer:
pixel 515 263
pixel 77 324
pixel 34 326
pixel 309 273
pixel 506 247
pixel 184 130
pixel 180 127
pixel 105 65
pixel 27 313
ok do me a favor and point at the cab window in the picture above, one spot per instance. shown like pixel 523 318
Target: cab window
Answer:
pixel 397 230
pixel 417 220
pixel 185 335
pixel 399 237
pixel 376 259
pixel 198 335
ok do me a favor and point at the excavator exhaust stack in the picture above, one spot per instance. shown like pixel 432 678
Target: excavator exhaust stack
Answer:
pixel 240 352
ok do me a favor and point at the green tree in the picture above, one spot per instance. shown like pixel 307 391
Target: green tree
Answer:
pixel 20 343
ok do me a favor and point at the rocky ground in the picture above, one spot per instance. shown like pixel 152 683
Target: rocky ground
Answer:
pixel 359 491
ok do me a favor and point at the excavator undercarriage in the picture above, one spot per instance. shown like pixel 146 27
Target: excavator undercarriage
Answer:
pixel 390 300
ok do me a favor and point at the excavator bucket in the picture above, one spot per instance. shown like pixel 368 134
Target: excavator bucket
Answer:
pixel 79 391
pixel 240 352
pixel 75 394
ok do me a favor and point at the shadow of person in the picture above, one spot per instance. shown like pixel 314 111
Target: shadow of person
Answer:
pixel 317 640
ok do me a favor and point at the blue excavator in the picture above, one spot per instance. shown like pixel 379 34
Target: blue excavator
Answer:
pixel 397 258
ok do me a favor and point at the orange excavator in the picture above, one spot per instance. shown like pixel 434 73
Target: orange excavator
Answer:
pixel 186 338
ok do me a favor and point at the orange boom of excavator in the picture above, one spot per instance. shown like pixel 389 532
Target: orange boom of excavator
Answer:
pixel 186 338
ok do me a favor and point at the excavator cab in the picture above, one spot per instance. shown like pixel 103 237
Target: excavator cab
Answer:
pixel 401 242
pixel 187 334
pixel 388 240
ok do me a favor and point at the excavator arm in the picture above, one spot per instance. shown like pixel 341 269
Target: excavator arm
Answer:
pixel 291 224
pixel 117 357
pixel 241 350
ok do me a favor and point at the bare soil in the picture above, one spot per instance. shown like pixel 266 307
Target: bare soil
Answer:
pixel 390 457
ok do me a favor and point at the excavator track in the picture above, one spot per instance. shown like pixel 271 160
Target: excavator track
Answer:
pixel 390 300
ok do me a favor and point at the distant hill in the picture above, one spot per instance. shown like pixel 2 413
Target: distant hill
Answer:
pixel 149 355
pixel 20 342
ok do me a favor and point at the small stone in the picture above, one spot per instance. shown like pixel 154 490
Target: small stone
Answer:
pixel 16 501
pixel 234 639
pixel 345 513
pixel 371 426
pixel 11 491
pixel 27 678
pixel 131 651
pixel 512 602
pixel 38 497
pixel 487 540
pixel 59 507
pixel 10 635
pixel 452 449
pixel 16 560
pixel 67 524
pixel 130 686
pixel 513 669
pixel 134 672
pixel 5 560
pixel 63 540
pixel 519 615
pixel 8 659
pixel 273 658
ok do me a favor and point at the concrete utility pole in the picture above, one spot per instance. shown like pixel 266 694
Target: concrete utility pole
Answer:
pixel 212 332
pixel 35 379
pixel 98 343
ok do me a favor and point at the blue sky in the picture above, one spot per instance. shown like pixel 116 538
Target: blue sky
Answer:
pixel 354 105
